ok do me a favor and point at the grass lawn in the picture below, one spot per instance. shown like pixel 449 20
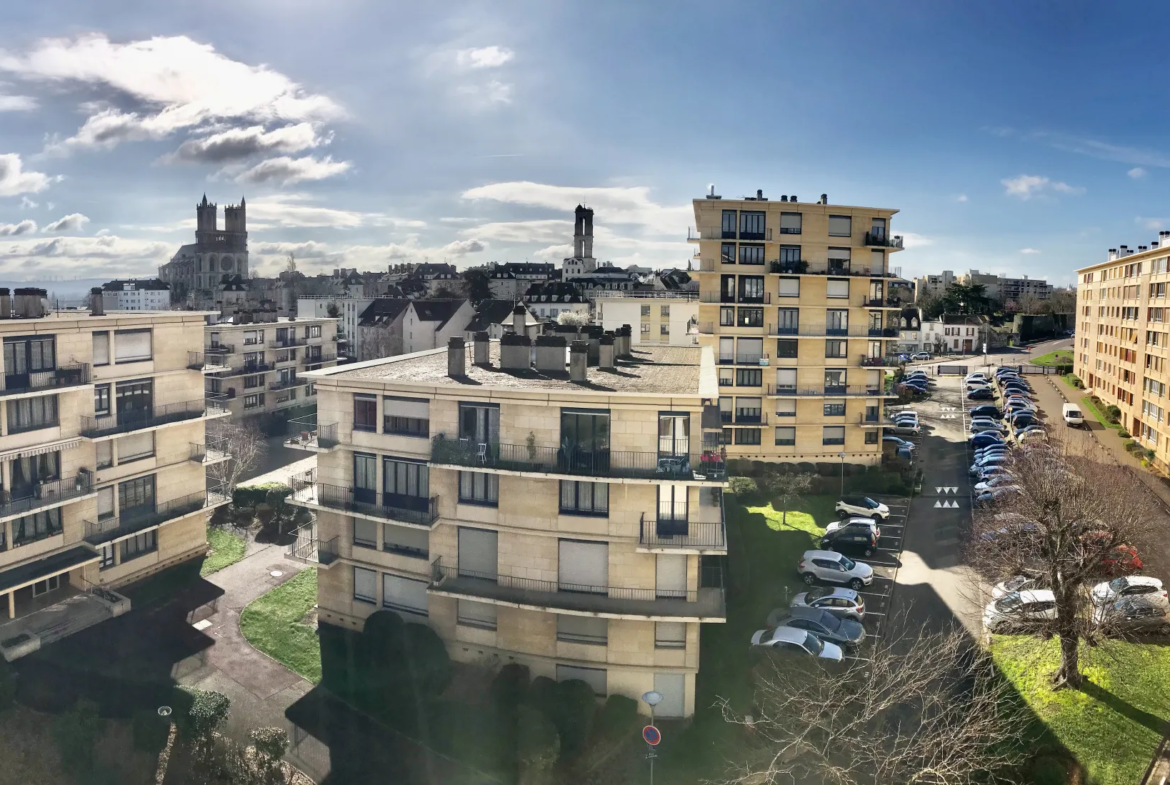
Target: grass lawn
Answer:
pixel 1072 380
pixel 273 624
pixel 1113 724
pixel 225 549
pixel 762 576
pixel 1089 406
pixel 1059 357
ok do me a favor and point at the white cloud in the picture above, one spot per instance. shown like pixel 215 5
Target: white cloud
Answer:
pixel 1029 250
pixel 463 247
pixel 68 223
pixel 291 210
pixel 14 180
pixel 554 253
pixel 176 83
pixel 1027 186
pixel 287 171
pixel 458 220
pixel 1153 224
pixel 239 143
pixel 484 57
pixel 17 103
pixel 27 204
pixel 81 257
pixel 912 240
pixel 961 198
pixel 313 256
pixel 618 205
pixel 1137 173
pixel 27 226
pixel 101 233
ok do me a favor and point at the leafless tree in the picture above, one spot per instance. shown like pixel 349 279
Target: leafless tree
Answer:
pixel 377 342
pixel 574 318
pixel 1071 525
pixel 243 443
pixel 1062 301
pixel 913 709
pixel 1030 304
pixel 787 488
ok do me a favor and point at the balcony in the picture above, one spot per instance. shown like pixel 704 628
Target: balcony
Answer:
pixel 878 302
pixel 45 494
pixel 880 240
pixel 828 391
pixel 872 362
pixel 204 454
pixel 395 507
pixel 831 332
pixel 248 368
pixel 754 417
pixel 706 604
pixel 706 328
pixel 100 532
pixel 322 358
pixel 220 348
pixel 61 377
pixel 287 343
pixel 871 421
pixel 208 363
pixel 577 461
pixel 305 434
pixel 723 298
pixel 713 233
pixel 673 535
pixel 824 268
pixel 137 419
pixel 284 384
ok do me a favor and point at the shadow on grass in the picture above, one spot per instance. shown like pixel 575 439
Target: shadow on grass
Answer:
pixel 1124 708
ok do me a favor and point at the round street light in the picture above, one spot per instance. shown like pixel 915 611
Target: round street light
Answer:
pixel 653 698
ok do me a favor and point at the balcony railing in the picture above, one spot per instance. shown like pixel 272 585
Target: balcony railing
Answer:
pixel 577 460
pixel 197 361
pixel 872 420
pixel 724 298
pixel 44 494
pixel 220 348
pixel 418 511
pixel 804 267
pixel 73 375
pixel 305 434
pixel 324 358
pixel 284 384
pixel 287 343
pixel 327 551
pixel 243 369
pixel 744 418
pixel 705 603
pixel 682 534
pixel 831 391
pixel 99 532
pixel 135 419
pixel 872 362
pixel 880 240
pixel 832 332
pixel 876 302
pixel 709 233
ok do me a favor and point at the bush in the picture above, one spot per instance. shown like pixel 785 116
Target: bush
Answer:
pixel 75 732
pixel 258 494
pixel 743 486
pixel 617 716
pixel 542 695
pixel 1112 413
pixel 1124 434
pixel 271 744
pixel 573 715
pixel 198 713
pixel 509 687
pixel 804 467
pixel 539 747
pixel 428 663
pixel 150 731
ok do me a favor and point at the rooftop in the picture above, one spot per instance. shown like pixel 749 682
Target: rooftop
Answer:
pixel 657 370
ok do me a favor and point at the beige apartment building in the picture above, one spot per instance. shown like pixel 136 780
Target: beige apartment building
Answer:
pixel 255 361
pixel 661 317
pixel 793 301
pixel 102 462
pixel 563 515
pixel 1123 340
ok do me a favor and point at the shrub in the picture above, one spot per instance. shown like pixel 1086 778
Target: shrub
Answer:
pixel 804 467
pixel 271 744
pixel 509 686
pixel 1124 434
pixel 617 716
pixel 150 731
pixel 75 732
pixel 542 695
pixel 743 486
pixel 428 663
pixel 198 713
pixel 573 715
pixel 1112 413
pixel 759 469
pixel 539 746
pixel 257 494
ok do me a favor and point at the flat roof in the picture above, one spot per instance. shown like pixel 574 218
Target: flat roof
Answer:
pixel 279 320
pixel 59 320
pixel 765 202
pixel 657 370
pixel 1136 256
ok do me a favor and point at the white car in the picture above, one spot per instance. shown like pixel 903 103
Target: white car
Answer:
pixel 979 426
pixel 998 481
pixel 833 567
pixel 1019 610
pixel 861 506
pixel 856 520
pixel 978 376
pixel 1013 585
pixel 906 426
pixel 792 639
pixel 1148 589
pixel 921 356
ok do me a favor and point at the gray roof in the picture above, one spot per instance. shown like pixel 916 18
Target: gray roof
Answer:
pixel 439 311
pixel 491 312
pixel 382 311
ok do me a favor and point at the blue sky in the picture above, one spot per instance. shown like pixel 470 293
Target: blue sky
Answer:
pixel 1013 137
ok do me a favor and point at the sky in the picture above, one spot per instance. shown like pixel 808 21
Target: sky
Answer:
pixel 1019 138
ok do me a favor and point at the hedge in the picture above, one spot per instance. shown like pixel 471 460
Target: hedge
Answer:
pixel 258 494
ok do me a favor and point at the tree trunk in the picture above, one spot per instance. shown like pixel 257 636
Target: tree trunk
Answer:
pixel 1069 673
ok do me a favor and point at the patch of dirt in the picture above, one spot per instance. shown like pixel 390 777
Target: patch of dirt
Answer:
pixel 310 618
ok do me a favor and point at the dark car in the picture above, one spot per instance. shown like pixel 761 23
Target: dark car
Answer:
pixel 850 539
pixel 985 438
pixel 986 410
pixel 1022 420
pixel 982 394
pixel 824 625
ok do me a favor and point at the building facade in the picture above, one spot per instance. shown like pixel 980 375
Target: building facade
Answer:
pixel 662 317
pixel 1007 289
pixel 136 295
pixel 570 522
pixel 102 459
pixel 349 312
pixel 793 301
pixel 196 269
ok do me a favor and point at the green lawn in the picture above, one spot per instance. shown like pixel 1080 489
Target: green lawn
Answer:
pixel 1059 357
pixel 1115 722
pixel 273 624
pixel 1089 406
pixel 1073 381
pixel 225 549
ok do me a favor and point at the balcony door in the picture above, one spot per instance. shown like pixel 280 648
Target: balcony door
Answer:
pixel 585 440
pixel 25 356
pixel 405 484
pixel 674 433
pixel 136 497
pixel 135 401
pixel 672 510
pixel 479 424
pixel 365 478
pixel 282 337
pixel 30 471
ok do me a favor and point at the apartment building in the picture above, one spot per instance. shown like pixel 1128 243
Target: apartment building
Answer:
pixel 1123 340
pixel 347 313
pixel 792 298
pixel 102 462
pixel 563 515
pixel 255 361
pixel 663 317
pixel 136 295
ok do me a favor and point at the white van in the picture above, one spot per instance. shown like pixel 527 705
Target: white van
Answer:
pixel 1072 415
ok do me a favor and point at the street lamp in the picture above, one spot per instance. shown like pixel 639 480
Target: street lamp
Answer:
pixel 652 698
pixel 841 455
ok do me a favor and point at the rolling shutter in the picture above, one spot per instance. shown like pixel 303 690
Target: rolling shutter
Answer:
pixel 415 408
pixel 105 501
pixel 840 226
pixel 790 223
pixel 785 378
pixel 582 629
pixel 132 345
pixel 839 254
pixel 785 408
pixel 836 287
pixel 404 594
pixel 139 445
pixel 670 634
pixel 673 688
pixel 478 553
pixel 594 677
pixel 406 537
pixel 476 614
pixel 670 578
pixel 789 287
pixel 584 566
pixel 101 348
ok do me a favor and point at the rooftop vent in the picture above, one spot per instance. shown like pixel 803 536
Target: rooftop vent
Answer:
pixel 784 198
pixel 481 349
pixel 824 198
pixel 579 362
pixel 760 195
pixel 515 352
pixel 550 353
pixel 97 306
pixel 793 198
pixel 456 358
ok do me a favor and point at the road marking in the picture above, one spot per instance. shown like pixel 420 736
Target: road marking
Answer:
pixel 873 594
pixel 948 408
pixel 949 504
pixel 944 489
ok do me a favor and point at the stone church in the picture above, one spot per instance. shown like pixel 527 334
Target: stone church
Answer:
pixel 196 270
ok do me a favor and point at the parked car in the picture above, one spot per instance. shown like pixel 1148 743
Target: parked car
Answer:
pixel 824 625
pixel 981 394
pixel 1033 437
pixel 851 539
pixel 922 356
pixel 894 440
pixel 1133 615
pixel 1016 584
pixel 856 521
pixel 906 427
pixel 1127 586
pixel 986 462
pixel 981 426
pixel 1029 428
pixel 998 481
pixel 837 600
pixel 861 506
pixel 986 437
pixel 833 567
pixel 977 376
pixel 794 640
pixel 986 410
pixel 1019 611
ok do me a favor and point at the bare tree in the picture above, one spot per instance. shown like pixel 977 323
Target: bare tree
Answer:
pixel 787 488
pixel 574 318
pixel 242 443
pixel 916 709
pixel 1071 524
pixel 1062 301
pixel 1029 304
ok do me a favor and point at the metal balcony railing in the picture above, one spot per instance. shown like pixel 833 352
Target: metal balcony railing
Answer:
pixel 287 343
pixel 872 362
pixel 136 419
pixel 834 391
pixel 707 603
pixel 197 361
pixel 304 433
pixel 418 511
pixel 220 348
pixel 25 500
pixel 323 358
pixel 880 240
pixel 72 375
pixel 755 417
pixel 832 332
pixel 709 233
pixel 99 532
pixel 577 460
pixel 804 267
pixel 284 384
pixel 673 533
pixel 875 302
pixel 243 369
pixel 867 419
pixel 723 298
pixel 327 551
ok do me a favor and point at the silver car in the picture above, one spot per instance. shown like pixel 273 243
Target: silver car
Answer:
pixel 839 601
pixel 792 639
pixel 833 567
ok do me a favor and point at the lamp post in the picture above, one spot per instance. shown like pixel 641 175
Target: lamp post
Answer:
pixel 841 455
pixel 652 698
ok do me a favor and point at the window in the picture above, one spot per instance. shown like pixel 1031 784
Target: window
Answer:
pixel 840 226
pixel 101 348
pixel 406 416
pixel 788 321
pixel 837 322
pixel 751 225
pixel 135 447
pixel 252 337
pixel 645 311
pixel 139 545
pixel 365 585
pixel 365 533
pixel 789 287
pixel 871 436
pixel 479 423
pixel 726 377
pixel 834 409
pixel 594 677
pixel 751 289
pixel 751 254
pixel 365 413
pixel 836 348
pixel 748 377
pixel 789 254
pixel 583 566
pixel 837 288
pixel 404 594
pixel 405 483
pixel 132 346
pixel 748 410
pixel 406 541
pixel 37 526
pixel 253 401
pixel 664 311
pixel 670 635
pixel 749 350
pixel 314 331
pixel 786 435
pixel 30 414
pixel 107 554
pixel 839 259
pixel 785 381
pixel 101 400
pixel 833 434
pixel 789 223
pixel 664 329
pixel 478 553
pixel 105 454
pixel 747 436
pixel 365 478
pixel 479 488
pixel 729 221
pixel 585 430
pixel 24 356
pixel 584 498
pixel 727 253
pixel 787 348
pixel 136 497
pixel 785 408
pixel 835 380
pixel 726 317
pixel 645 328
pixel 672 687
pixel 476 614
pixel 582 629
pixel 748 317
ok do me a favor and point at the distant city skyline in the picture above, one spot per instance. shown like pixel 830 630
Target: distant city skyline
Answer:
pixel 1011 138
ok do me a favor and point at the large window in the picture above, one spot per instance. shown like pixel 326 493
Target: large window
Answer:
pixel 834 408
pixel 747 435
pixel 365 477
pixel 674 433
pixel 35 527
pixel 26 356
pixel 253 382
pixel 132 346
pixel 748 377
pixel 406 416
pixel 405 483
pixel 787 321
pixel 139 545
pixel 729 221
pixel 365 585
pixel 476 614
pixel 365 413
pixel 788 287
pixel 749 317
pixel 365 533
pixel 751 254
pixel 787 348
pixel 585 430
pixel 584 498
pixel 835 380
pixel 404 594
pixel 837 322
pixel 789 254
pixel 836 348
pixel 726 317
pixel 833 434
pixel 786 436
pixel 30 414
pixel 837 288
pixel 136 497
pixel 479 488
pixel 135 447
pixel 101 348
pixel 101 400
pixel 840 226
pixel 479 423
pixel 751 225
pixel 670 634
pixel 749 350
pixel 751 289
pixel 785 408
pixel 135 400
pixel 789 223
pixel 406 541
pixel 727 253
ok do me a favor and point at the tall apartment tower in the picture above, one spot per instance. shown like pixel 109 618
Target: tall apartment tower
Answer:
pixel 566 516
pixel 793 302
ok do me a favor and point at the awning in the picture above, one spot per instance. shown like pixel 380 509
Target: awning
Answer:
pixel 64 561
pixel 40 449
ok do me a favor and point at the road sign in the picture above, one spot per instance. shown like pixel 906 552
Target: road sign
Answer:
pixel 651 735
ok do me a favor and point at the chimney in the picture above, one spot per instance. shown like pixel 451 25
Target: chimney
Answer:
pixel 21 303
pixel 606 362
pixel 624 344
pixel 5 303
pixel 456 358
pixel 41 304
pixel 593 333
pixel 759 194
pixel 784 198
pixel 579 362
pixel 519 318
pixel 481 349
pixel 792 198
pixel 550 353
pixel 96 305
pixel 515 351
pixel 824 198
